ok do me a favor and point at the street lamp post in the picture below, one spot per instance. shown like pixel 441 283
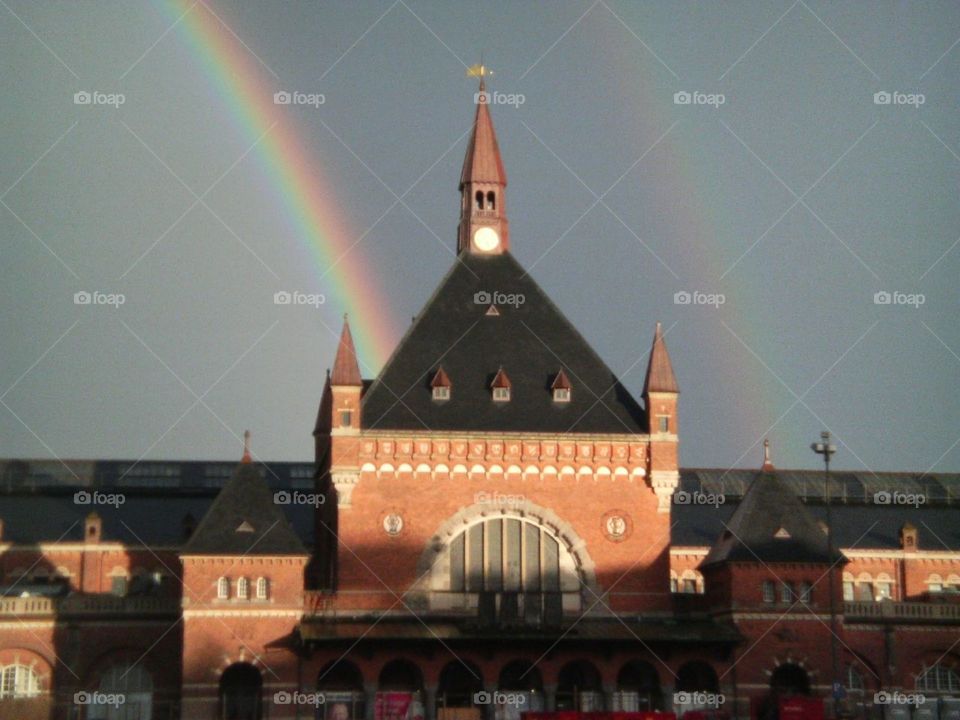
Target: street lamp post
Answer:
pixel 826 448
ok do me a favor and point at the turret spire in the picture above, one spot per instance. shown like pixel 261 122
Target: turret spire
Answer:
pixel 660 377
pixel 483 221
pixel 346 369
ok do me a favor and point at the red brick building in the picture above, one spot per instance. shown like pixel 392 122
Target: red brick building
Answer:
pixel 492 525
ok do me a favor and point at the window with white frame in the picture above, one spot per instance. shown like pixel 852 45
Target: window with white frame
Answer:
pixel 18 681
pixel 806 592
pixel 441 392
pixel 769 592
pixel 501 394
pixel 786 592
pixel 263 588
pixel 939 678
pixel 223 588
pixel 243 589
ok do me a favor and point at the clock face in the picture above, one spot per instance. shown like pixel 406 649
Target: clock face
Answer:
pixel 486 239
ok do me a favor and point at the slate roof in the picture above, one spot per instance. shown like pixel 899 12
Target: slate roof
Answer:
pixel 771 524
pixel 36 502
pixel 531 341
pixel 244 520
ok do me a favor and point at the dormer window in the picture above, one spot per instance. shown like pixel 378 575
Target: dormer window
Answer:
pixel 561 387
pixel 501 387
pixel 440 385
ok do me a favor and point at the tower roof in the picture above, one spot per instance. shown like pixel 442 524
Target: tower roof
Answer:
pixel 660 377
pixel 244 519
pixel 770 524
pixel 482 163
pixel 346 369
pixel 528 338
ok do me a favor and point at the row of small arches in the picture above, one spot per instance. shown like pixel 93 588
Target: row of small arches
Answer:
pixel 479 472
pixel 242 589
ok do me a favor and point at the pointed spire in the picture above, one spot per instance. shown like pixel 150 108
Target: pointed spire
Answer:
pixel 482 163
pixel 246 447
pixel 767 462
pixel 346 370
pixel 660 377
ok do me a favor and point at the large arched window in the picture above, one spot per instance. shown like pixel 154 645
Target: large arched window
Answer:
pixel 240 693
pixel 510 555
pixel 342 686
pixel 18 681
pixel 939 679
pixel 638 688
pixel 136 686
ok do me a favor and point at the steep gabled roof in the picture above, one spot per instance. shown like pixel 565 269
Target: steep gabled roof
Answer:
pixel 771 525
pixel 529 339
pixel 244 520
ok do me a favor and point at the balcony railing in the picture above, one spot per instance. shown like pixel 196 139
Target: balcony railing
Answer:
pixel 89 605
pixel 903 612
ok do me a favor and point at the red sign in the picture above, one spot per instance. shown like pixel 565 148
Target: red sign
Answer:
pixel 801 708
pixel 392 705
pixel 574 715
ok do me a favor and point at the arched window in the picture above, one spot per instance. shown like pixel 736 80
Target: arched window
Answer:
pixel 935 583
pixel 510 555
pixel 459 682
pixel 788 680
pixel 674 583
pixel 638 688
pixel 939 679
pixel 135 685
pixel 263 588
pixel 579 688
pixel 848 595
pixel 18 681
pixel 697 686
pixel 491 200
pixel 223 588
pixel 479 197
pixel 855 682
pixel 342 686
pixel 884 587
pixel 240 693
pixel 520 678
pixel 243 589
pixel 865 587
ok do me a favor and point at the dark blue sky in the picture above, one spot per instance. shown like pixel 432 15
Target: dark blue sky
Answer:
pixel 797 200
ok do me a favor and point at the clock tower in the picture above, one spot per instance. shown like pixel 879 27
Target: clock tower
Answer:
pixel 483 218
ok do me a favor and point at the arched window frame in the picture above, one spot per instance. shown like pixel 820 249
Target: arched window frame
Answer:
pixel 263 588
pixel 223 588
pixel 243 589
pixel 18 681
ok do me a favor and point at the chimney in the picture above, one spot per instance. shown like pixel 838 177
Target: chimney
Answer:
pixel 908 537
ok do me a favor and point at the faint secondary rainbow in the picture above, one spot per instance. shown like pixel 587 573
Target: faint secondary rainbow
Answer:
pixel 293 175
